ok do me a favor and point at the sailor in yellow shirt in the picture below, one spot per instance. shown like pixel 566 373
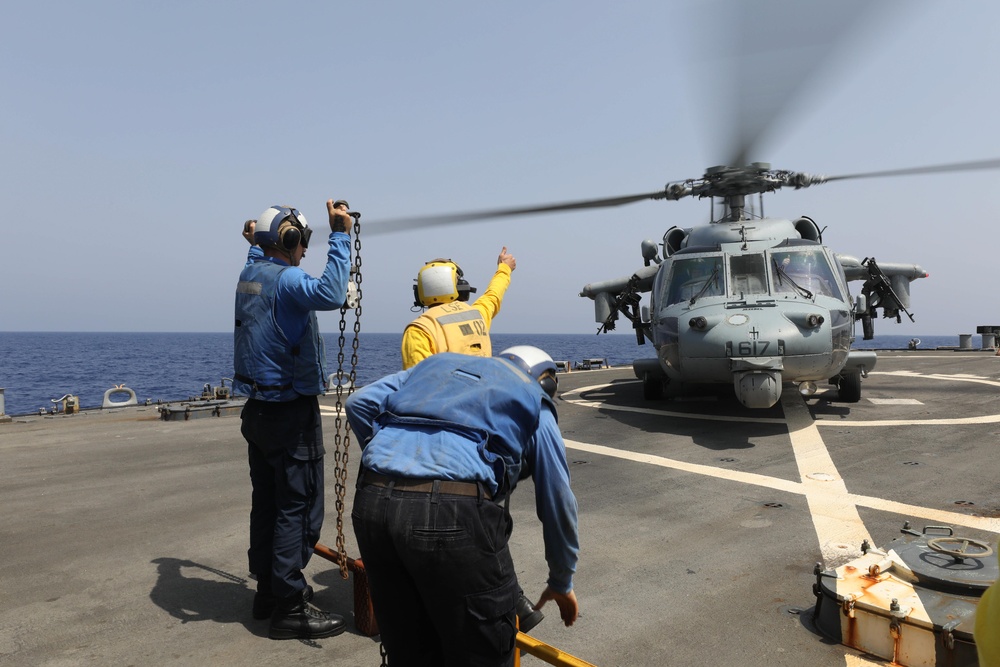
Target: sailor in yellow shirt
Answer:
pixel 987 630
pixel 450 324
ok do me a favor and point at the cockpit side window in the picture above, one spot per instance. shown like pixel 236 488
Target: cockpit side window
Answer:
pixel 693 278
pixel 798 270
pixel 747 275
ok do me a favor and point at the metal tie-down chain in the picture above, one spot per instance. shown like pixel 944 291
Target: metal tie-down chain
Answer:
pixel 342 442
pixel 342 437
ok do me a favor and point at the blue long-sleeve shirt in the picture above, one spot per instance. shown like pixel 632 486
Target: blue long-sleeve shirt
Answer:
pixel 298 292
pixel 543 458
pixel 254 254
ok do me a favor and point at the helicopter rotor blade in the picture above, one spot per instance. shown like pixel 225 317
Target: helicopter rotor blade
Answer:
pixel 776 51
pixel 402 224
pixel 933 169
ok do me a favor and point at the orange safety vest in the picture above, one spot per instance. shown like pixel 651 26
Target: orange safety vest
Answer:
pixel 456 327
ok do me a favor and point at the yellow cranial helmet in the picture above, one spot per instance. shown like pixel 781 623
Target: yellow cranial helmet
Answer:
pixel 437 283
pixel 440 281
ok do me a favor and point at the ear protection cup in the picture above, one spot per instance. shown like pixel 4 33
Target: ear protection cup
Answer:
pixel 289 236
pixel 416 297
pixel 549 385
pixel 464 289
pixel 462 285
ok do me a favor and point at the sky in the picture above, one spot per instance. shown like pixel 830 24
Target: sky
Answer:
pixel 136 138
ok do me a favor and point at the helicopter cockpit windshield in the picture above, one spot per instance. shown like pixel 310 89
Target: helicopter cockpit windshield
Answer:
pixel 782 273
pixel 747 275
pixel 803 271
pixel 694 278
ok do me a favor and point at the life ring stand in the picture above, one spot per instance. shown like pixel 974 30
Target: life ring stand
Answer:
pixel 119 389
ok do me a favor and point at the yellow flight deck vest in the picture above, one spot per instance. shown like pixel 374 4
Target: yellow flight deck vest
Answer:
pixel 456 327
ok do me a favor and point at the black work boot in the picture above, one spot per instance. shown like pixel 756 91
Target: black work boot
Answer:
pixel 527 616
pixel 264 602
pixel 294 618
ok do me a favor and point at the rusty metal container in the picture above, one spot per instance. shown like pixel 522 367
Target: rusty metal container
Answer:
pixel 913 603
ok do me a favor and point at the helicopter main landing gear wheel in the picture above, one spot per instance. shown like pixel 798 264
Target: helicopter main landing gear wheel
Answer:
pixel 849 386
pixel 652 387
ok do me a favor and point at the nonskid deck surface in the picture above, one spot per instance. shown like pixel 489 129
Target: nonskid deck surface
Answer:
pixel 124 536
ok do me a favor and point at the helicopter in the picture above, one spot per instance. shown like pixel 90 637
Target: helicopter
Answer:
pixel 749 300
pixel 745 300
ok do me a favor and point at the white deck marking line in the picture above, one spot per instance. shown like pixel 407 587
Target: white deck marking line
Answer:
pixel 913 511
pixel 839 527
pixel 941 516
pixel 833 509
pixel 924 356
pixel 778 484
pixel 587 403
pixel 956 421
pixel 961 377
pixel 667 413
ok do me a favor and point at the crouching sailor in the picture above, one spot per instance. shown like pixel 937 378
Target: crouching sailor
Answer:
pixel 445 443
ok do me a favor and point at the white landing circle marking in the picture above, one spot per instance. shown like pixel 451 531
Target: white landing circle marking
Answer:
pixel 957 377
pixel 601 390
pixel 833 508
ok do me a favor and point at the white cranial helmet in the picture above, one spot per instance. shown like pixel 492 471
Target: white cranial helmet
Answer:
pixel 282 227
pixel 536 363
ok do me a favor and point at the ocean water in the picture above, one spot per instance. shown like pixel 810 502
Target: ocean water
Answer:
pixel 37 368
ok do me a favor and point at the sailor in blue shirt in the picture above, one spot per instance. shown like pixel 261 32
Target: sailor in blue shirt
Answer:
pixel 279 363
pixel 444 445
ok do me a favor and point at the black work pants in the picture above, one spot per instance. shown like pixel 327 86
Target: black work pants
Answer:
pixel 285 450
pixel 442 580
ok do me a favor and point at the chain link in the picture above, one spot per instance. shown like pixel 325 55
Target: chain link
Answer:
pixel 342 437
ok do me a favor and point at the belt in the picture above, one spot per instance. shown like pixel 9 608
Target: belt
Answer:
pixel 261 387
pixel 449 487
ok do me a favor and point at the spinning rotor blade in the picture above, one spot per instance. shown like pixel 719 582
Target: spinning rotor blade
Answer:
pixel 934 169
pixel 776 49
pixel 402 224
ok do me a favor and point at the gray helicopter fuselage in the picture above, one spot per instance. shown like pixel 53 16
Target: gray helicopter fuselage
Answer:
pixel 748 321
pixel 755 302
pixel 725 309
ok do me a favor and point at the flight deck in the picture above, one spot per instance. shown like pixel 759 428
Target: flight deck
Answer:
pixel 701 521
